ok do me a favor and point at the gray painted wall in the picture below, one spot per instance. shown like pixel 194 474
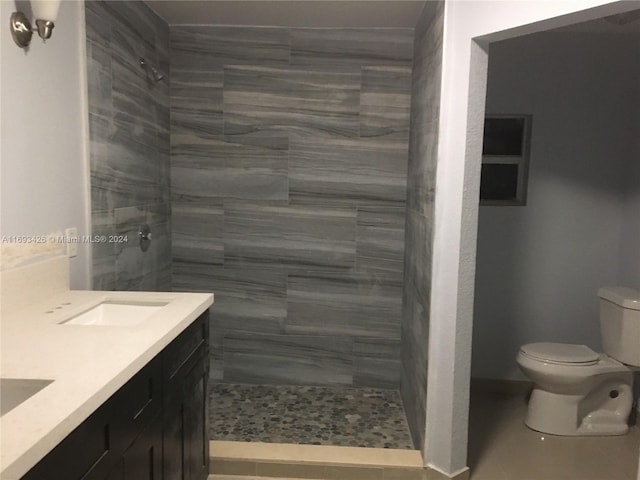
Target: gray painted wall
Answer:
pixel 629 269
pixel 288 172
pixel 539 267
pixel 129 144
pixel 423 146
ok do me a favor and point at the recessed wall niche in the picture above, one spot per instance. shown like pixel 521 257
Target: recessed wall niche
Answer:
pixel 505 159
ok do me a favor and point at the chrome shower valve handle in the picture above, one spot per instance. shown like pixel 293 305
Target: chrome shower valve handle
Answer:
pixel 145 237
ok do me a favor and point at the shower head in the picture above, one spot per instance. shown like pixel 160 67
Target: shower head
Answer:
pixel 151 71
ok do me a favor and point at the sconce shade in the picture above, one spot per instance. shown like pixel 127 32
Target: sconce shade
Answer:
pixel 45 9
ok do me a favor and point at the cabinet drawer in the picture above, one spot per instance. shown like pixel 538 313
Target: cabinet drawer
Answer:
pixel 186 345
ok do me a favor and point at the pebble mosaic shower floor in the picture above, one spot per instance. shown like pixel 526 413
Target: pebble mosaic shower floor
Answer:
pixel 341 416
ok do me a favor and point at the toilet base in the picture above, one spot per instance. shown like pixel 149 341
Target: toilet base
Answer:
pixel 575 415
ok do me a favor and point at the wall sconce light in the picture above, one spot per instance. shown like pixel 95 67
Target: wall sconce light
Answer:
pixel 44 11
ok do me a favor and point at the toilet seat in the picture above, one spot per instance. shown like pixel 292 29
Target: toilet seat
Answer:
pixel 561 354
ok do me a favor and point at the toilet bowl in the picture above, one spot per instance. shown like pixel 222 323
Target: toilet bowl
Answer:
pixel 578 391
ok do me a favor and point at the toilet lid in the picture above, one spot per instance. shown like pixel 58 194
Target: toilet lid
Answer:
pixel 561 353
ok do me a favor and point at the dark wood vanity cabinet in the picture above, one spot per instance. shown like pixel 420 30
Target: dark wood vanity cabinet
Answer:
pixel 155 427
pixel 185 411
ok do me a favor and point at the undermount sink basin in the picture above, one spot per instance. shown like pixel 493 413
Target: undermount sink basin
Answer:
pixel 14 391
pixel 112 313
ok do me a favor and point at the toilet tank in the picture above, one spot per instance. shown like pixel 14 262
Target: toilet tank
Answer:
pixel 620 323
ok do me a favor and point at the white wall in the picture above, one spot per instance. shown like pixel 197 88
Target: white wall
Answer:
pixel 469 26
pixel 539 266
pixel 44 182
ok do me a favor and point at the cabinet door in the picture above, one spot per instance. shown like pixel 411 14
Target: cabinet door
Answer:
pixel 117 473
pixel 143 459
pixel 186 443
pixel 185 408
pixel 173 434
pixel 195 423
pixel 85 454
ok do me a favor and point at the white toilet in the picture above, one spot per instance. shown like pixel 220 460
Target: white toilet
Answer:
pixel 578 391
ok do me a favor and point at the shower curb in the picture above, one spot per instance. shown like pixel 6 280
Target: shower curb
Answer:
pixel 315 461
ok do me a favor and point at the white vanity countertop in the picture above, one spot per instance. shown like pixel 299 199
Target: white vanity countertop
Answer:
pixel 87 363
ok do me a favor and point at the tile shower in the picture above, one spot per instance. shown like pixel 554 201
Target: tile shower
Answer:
pixel 273 166
pixel 288 195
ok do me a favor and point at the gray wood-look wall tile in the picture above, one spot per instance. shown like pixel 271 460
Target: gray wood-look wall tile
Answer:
pixel 297 138
pixel 376 362
pixel 208 47
pixel 291 237
pixel 99 78
pixel 129 143
pixel 128 47
pixel 159 221
pixel 380 242
pixel 342 304
pixel 250 301
pixel 104 255
pixel 197 232
pixel 132 97
pixel 135 269
pixel 425 95
pixel 414 361
pixel 98 30
pixel 288 359
pixel 132 268
pixel 270 100
pixel 130 178
pixel 191 277
pixel 221 168
pixel 102 178
pixel 348 171
pixel 132 17
pixel 351 46
pixel 216 359
pixel 163 52
pixel 196 102
pixel 385 102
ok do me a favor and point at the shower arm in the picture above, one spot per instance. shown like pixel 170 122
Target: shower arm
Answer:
pixel 157 74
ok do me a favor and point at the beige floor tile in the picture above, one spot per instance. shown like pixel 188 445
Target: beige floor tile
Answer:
pixel 487 469
pixel 501 447
pixel 232 467
pixel 354 473
pixel 236 477
pixel 557 459
pixel 404 474
pixel 623 452
pixel 290 470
